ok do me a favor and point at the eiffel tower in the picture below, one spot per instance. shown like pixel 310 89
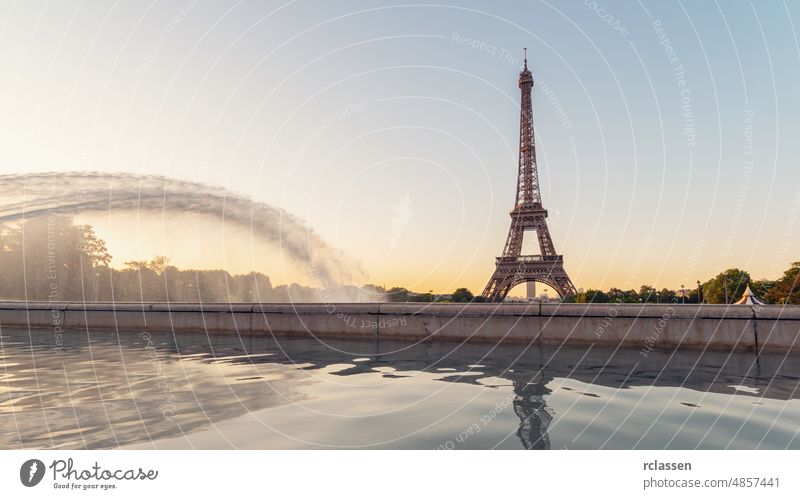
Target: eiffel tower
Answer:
pixel 528 214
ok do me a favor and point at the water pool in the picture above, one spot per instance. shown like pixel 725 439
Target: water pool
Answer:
pixel 146 390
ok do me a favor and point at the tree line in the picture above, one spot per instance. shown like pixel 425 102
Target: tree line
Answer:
pixel 52 258
pixel 726 287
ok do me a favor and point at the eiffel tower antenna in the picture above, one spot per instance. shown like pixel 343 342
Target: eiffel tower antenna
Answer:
pixel 512 267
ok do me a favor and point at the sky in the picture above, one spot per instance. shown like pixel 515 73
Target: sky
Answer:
pixel 666 131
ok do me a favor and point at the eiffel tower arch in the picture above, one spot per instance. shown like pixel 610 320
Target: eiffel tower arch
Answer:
pixel 513 267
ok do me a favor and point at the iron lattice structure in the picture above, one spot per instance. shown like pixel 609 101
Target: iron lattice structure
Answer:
pixel 513 267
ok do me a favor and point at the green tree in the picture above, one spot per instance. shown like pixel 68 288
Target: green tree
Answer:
pixel 615 295
pixel 621 296
pixel 630 296
pixel 761 288
pixel 397 294
pixel 787 288
pixel 91 247
pixel 592 296
pixel 735 281
pixel 667 296
pixel 158 264
pixel 648 294
pixel 137 264
pixel 51 258
pixel 462 295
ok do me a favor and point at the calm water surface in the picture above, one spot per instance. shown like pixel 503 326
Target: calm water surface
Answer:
pixel 104 390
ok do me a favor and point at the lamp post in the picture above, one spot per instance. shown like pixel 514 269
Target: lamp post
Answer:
pixel 683 295
pixel 699 293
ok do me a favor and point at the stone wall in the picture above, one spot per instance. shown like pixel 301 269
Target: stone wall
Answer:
pixel 640 326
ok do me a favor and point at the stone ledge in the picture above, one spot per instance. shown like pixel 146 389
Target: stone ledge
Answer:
pixel 714 327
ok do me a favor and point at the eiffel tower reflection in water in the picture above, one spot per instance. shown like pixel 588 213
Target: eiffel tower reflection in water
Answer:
pixel 534 418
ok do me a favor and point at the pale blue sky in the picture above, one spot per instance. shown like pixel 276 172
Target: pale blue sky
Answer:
pixel 396 140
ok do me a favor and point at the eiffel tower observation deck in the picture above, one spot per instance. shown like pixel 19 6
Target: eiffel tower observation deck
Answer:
pixel 528 215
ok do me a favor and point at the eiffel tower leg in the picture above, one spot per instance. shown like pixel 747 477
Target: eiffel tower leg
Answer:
pixel 496 289
pixel 499 286
pixel 567 288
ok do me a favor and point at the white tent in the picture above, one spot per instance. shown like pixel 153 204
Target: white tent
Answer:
pixel 749 298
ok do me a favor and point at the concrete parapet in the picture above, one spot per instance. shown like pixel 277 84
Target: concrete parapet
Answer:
pixel 35 314
pixel 645 327
pixel 342 320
